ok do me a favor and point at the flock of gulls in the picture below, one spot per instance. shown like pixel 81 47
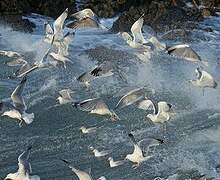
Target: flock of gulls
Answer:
pixel 162 111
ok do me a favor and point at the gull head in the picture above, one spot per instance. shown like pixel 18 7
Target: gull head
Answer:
pixel 83 128
pixel 59 99
pixel 114 116
pixel 110 159
pixel 91 148
pixel 102 178
pixel 85 13
pixel 150 116
pixel 128 157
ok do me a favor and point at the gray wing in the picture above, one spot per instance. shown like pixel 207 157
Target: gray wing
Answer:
pixel 105 69
pixel 26 69
pixel 131 97
pixel 48 29
pixel 89 104
pixel 16 96
pixel 23 163
pixel 86 77
pixel 16 62
pixel 184 52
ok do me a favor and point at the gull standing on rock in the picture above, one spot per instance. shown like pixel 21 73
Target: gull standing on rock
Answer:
pixel 138 156
pixel 24 168
pixel 204 79
pixel 96 106
pixel 17 109
pixel 65 96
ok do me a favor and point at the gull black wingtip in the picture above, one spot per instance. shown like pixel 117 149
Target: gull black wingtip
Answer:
pixel 161 141
pixel 29 148
pixel 65 161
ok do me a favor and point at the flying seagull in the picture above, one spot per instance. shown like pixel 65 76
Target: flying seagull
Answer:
pixel 10 54
pixel 103 70
pixel 17 109
pixel 98 153
pixel 113 163
pixel 82 175
pixel 132 97
pixel 162 112
pixel 137 39
pixel 24 168
pixel 96 106
pixel 89 130
pixel 186 52
pixel 65 96
pixel 57 30
pixel 138 156
pixel 85 18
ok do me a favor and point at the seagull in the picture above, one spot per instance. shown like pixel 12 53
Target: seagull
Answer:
pixel 60 57
pixel 186 52
pixel 131 97
pixel 161 114
pixel 204 79
pixel 56 31
pixel 17 109
pixel 85 18
pixel 113 163
pixel 96 106
pixel 65 96
pixel 10 54
pixel 138 156
pixel 26 68
pixel 98 153
pixel 85 130
pixel 16 62
pixel 137 39
pixel 82 175
pixel 24 168
pixel 103 70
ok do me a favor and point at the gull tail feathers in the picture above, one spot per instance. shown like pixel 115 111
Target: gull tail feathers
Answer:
pixel 35 177
pixel 28 118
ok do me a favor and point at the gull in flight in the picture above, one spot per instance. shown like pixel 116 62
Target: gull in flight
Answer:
pixel 65 96
pixel 204 80
pixel 56 31
pixel 138 156
pixel 10 54
pixel 135 96
pixel 27 68
pixel 162 113
pixel 103 70
pixel 186 52
pixel 85 18
pixel 113 163
pixel 98 153
pixel 24 168
pixel 82 175
pixel 96 106
pixel 17 109
pixel 85 130
pixel 137 39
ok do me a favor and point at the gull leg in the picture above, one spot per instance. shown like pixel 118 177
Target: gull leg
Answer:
pixel 20 123
pixel 203 91
pixel 135 166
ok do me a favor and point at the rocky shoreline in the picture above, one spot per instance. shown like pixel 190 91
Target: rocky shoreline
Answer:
pixel 160 15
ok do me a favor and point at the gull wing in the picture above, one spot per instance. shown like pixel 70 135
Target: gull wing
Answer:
pixel 24 166
pixel 137 149
pixel 58 23
pixel 82 175
pixel 136 30
pixel 131 97
pixel 16 96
